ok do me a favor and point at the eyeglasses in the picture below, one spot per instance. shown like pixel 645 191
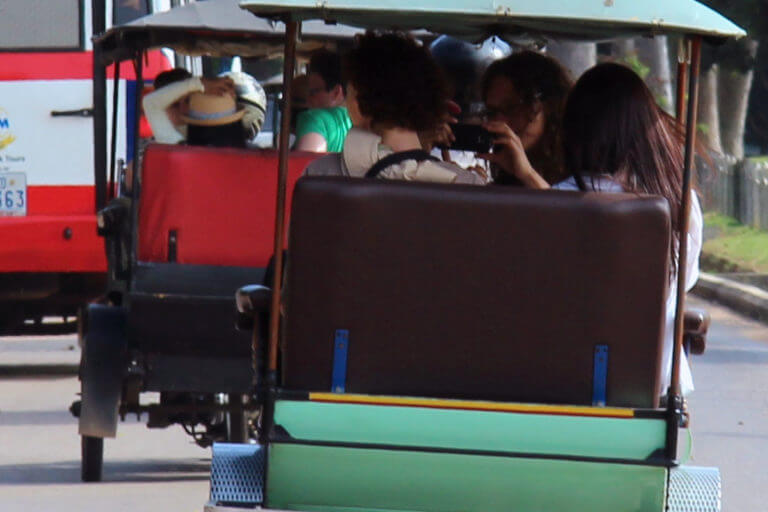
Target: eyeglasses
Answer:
pixel 507 111
pixel 314 91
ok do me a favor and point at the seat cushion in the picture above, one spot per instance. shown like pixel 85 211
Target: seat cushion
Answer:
pixel 219 202
pixel 480 293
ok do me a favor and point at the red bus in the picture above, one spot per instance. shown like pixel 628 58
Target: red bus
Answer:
pixel 51 258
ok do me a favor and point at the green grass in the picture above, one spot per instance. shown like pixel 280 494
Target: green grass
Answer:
pixel 736 246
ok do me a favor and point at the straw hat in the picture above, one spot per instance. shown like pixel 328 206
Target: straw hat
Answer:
pixel 212 110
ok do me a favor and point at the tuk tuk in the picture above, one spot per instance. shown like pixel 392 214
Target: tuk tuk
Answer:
pixel 177 247
pixel 426 352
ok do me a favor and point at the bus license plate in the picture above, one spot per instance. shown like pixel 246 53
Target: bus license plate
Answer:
pixel 13 194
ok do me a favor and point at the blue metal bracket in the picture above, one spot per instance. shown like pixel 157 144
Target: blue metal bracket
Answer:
pixel 340 349
pixel 600 376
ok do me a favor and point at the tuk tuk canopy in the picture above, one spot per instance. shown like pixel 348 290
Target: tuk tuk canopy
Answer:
pixel 476 19
pixel 214 28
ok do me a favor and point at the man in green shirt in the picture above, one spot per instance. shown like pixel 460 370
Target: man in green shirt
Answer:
pixel 324 126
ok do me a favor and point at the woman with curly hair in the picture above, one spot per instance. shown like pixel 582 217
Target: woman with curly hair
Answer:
pixel 527 92
pixel 394 91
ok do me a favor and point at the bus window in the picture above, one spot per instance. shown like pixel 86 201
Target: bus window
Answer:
pixel 41 25
pixel 128 10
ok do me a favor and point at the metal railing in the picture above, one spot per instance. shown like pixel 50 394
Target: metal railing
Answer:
pixel 736 188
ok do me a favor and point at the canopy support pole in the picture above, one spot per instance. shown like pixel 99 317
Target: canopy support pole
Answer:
pixel 291 32
pixel 139 67
pixel 113 143
pixel 98 25
pixel 674 398
pixel 683 60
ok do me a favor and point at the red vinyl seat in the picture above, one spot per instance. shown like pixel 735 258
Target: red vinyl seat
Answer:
pixel 219 201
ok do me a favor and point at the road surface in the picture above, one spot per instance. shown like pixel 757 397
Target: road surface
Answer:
pixel 161 470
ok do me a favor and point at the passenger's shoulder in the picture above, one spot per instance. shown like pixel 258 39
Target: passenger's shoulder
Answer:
pixel 327 165
pixel 462 175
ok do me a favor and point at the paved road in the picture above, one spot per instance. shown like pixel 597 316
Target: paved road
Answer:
pixel 730 409
pixel 160 470
pixel 144 470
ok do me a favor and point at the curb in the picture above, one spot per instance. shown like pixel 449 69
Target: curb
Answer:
pixel 748 300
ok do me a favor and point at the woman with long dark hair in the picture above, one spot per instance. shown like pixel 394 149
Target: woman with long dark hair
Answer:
pixel 617 139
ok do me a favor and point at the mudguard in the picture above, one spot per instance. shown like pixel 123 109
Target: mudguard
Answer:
pixel 102 369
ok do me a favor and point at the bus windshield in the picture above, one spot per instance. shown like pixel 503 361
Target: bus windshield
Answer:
pixel 125 11
pixel 41 25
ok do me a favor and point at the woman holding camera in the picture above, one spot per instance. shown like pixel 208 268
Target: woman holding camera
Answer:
pixel 526 92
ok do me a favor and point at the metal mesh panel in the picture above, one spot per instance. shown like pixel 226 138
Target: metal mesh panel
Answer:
pixel 237 473
pixel 694 490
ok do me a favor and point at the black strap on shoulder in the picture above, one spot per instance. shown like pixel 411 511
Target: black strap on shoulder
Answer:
pixel 395 158
pixel 580 182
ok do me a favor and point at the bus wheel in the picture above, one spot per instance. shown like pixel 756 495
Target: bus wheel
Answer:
pixel 92 458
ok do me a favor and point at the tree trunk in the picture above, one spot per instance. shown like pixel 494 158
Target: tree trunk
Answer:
pixel 653 52
pixel 709 113
pixel 576 57
pixel 734 86
pixel 733 108
pixel 622 48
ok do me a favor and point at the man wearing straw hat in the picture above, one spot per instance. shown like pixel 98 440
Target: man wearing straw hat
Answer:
pixel 165 106
pixel 214 120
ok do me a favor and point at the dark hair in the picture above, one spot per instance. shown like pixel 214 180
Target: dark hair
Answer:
pixel 230 135
pixel 612 125
pixel 464 64
pixel 170 76
pixel 328 65
pixel 537 78
pixel 397 82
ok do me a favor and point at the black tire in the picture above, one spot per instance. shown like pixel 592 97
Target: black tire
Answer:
pixel 237 426
pixel 92 458
pixel 82 325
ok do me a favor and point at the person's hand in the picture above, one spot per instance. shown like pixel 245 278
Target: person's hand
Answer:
pixel 509 155
pixel 219 86
pixel 480 171
pixel 441 135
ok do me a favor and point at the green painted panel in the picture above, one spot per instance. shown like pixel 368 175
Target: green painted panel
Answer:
pixel 318 478
pixel 472 430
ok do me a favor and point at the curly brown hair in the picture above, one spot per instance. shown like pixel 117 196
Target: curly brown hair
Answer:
pixel 397 82
pixel 538 77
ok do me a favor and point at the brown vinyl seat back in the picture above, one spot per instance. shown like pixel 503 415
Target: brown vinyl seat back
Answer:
pixel 487 293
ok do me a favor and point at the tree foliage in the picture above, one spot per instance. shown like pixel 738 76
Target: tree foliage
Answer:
pixel 740 55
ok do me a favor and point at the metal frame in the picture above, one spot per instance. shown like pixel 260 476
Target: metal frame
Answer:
pixel 291 33
pixel 674 396
pixel 98 21
pixel 110 193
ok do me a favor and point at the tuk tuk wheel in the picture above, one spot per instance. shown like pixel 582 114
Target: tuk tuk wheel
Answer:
pixel 92 458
